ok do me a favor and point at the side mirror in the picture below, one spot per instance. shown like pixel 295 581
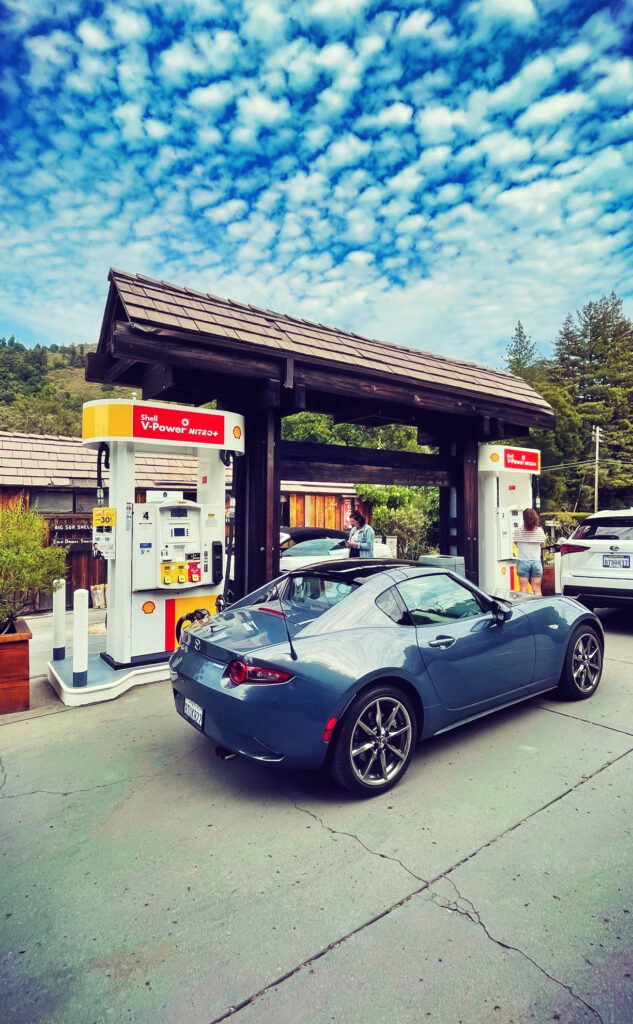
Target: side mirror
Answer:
pixel 500 612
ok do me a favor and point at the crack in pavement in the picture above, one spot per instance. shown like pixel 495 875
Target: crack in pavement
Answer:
pixel 71 792
pixel 426 886
pixel 586 721
pixel 465 908
pixel 350 835
pixel 3 773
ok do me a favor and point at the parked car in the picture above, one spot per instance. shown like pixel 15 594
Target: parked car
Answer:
pixel 597 560
pixel 291 535
pixel 348 664
pixel 320 549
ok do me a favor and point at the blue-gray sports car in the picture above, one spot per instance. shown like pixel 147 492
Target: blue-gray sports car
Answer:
pixel 349 664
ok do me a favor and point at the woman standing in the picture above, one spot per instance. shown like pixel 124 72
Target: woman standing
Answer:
pixel 530 540
pixel 361 537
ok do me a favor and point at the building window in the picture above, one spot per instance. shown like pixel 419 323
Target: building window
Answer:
pixel 52 501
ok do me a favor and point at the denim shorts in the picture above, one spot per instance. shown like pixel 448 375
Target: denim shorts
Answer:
pixel 529 568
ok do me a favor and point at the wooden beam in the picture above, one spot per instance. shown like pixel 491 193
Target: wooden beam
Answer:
pixel 350 457
pixel 157 381
pixel 342 472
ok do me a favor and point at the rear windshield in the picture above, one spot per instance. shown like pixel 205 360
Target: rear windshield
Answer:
pixel 299 598
pixel 613 528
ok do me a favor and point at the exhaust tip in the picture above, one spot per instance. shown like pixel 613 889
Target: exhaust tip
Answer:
pixel 226 755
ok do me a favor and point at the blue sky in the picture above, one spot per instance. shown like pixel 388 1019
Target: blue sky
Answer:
pixel 425 174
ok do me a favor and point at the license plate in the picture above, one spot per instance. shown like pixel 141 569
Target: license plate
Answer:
pixel 194 712
pixel 616 561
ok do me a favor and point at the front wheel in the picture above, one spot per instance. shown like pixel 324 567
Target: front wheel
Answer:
pixel 375 744
pixel 583 665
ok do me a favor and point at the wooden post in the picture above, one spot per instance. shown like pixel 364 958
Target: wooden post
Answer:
pixel 467 507
pixel 256 480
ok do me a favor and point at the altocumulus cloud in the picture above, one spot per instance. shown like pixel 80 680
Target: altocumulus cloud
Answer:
pixel 425 175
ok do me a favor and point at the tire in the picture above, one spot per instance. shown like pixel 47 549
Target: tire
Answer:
pixel 363 759
pixel 582 668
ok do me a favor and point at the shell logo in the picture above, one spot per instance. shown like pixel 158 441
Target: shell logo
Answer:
pixel 148 607
pixel 494 457
pixel 503 570
pixel 237 432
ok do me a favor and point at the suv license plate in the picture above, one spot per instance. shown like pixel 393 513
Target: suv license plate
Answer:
pixel 194 712
pixel 616 561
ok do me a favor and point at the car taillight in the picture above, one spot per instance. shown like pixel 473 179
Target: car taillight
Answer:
pixel 240 672
pixel 569 549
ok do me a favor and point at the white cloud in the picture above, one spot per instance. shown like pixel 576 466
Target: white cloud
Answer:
pixel 504 10
pixel 258 110
pixel 93 36
pixel 554 109
pixel 347 150
pixel 437 123
pixel 213 97
pixel 234 209
pixel 128 25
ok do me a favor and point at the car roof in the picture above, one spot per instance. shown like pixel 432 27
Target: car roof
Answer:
pixel 307 532
pixel 356 568
pixel 607 513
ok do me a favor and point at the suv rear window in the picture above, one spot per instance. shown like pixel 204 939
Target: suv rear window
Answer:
pixel 614 528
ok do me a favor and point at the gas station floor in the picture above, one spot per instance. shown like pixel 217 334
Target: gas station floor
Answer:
pixel 145 880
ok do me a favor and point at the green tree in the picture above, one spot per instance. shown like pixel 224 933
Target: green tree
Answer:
pixel 521 354
pixel 594 366
pixel 26 564
pixel 320 428
pixel 42 414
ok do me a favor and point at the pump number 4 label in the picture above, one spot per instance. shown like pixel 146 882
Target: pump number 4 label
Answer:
pixel 193 712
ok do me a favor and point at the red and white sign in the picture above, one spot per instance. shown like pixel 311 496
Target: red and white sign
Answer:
pixel 522 458
pixel 172 424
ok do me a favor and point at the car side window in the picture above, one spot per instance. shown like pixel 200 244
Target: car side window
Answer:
pixel 392 605
pixel 438 598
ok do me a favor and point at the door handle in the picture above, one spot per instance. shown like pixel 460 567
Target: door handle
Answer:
pixel 443 642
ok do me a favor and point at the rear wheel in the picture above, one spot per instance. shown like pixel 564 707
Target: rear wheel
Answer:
pixel 583 665
pixel 375 744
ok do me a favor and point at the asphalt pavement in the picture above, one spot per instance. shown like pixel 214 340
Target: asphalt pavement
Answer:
pixel 145 880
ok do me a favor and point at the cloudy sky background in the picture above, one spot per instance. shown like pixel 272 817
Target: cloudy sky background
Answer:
pixel 427 175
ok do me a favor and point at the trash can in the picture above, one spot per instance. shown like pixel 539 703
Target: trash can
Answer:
pixel 454 563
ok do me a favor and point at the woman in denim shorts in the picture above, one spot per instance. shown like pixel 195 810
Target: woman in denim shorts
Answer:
pixel 530 539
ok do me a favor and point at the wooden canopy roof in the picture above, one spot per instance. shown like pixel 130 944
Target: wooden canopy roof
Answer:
pixel 182 345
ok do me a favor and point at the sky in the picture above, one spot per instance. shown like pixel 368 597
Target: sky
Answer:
pixel 423 174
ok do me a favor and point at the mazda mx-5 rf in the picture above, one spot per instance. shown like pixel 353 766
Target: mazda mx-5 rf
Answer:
pixel 350 664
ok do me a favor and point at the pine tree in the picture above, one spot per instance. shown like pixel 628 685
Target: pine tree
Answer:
pixel 594 365
pixel 521 354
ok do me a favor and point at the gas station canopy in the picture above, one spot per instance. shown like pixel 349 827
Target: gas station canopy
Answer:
pixel 181 345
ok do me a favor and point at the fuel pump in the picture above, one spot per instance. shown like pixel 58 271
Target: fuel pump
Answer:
pixel 166 557
pixel 508 480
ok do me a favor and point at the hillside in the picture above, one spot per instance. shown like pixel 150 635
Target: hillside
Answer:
pixel 43 389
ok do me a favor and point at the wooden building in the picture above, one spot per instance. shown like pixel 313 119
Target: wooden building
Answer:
pixel 177 344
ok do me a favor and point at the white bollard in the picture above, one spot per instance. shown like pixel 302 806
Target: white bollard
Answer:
pixel 59 621
pixel 80 638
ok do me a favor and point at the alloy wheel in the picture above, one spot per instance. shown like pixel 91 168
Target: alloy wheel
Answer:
pixel 380 741
pixel 586 664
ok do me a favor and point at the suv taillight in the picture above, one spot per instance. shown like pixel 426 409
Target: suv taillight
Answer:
pixel 569 549
pixel 240 672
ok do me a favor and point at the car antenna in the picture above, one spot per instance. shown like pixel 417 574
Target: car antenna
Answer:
pixel 293 653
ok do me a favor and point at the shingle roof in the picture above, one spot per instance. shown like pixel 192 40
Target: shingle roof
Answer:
pixel 39 460
pixel 160 304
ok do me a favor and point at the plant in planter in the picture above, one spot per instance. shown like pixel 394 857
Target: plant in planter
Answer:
pixel 26 566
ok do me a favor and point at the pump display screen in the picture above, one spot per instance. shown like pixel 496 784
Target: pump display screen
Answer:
pixel 178 513
pixel 179 531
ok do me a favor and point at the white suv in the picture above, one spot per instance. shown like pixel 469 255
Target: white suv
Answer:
pixel 597 560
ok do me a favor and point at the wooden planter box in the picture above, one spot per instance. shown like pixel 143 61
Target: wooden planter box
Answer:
pixel 14 669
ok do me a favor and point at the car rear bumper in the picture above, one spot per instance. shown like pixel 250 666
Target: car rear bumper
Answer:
pixel 598 595
pixel 264 723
